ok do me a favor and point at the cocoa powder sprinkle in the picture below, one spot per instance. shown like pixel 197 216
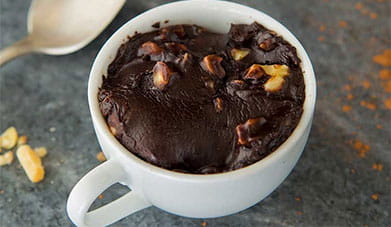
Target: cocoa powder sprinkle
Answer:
pixel 384 58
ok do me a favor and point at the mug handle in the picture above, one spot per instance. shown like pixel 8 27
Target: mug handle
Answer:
pixel 91 186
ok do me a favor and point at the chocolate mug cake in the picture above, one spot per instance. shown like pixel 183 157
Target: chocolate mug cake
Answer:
pixel 190 100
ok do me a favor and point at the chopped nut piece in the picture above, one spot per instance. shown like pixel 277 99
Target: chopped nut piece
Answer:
pixel 6 158
pixel 239 54
pixel 9 138
pixel 161 75
pixel 175 47
pixel 184 60
pixel 22 140
pixel 274 84
pixel 212 64
pixel 31 163
pixel 210 84
pixel 277 73
pixel 238 82
pixel 267 41
pixel 218 104
pixel 113 131
pixel 254 73
pixel 248 131
pixel 276 70
pixel 267 45
pixel 101 157
pixel 149 48
pixel 41 151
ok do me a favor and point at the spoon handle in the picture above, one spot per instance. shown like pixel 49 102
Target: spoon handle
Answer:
pixel 19 48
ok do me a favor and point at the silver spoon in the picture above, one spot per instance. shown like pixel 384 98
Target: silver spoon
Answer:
pixel 60 27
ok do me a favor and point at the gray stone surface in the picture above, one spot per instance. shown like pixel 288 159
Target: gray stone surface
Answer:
pixel 331 184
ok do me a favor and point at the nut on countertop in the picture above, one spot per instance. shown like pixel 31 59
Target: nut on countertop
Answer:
pixel 9 138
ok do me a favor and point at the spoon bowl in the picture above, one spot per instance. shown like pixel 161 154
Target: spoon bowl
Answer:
pixel 62 26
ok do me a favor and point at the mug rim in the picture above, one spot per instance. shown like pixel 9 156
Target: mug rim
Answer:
pixel 305 121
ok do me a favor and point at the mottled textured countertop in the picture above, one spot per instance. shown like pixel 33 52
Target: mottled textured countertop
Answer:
pixel 342 179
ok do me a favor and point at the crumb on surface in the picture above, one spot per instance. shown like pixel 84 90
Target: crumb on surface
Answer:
pixel 384 58
pixel 7 158
pixel 359 5
pixel 347 87
pixel 41 151
pixel 101 157
pixel 361 148
pixel 31 163
pixel 349 96
pixel 377 166
pixel 342 24
pixel 387 103
pixel 385 74
pixel 9 138
pixel 22 140
pixel 368 105
pixel 375 196
pixel 387 86
pixel 366 84
pixel 346 108
pixel 156 24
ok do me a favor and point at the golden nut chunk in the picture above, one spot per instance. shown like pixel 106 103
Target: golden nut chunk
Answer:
pixel 276 70
pixel 161 75
pixel 255 72
pixel 101 157
pixel 274 84
pixel 31 163
pixel 277 73
pixel 41 151
pixel 239 54
pixel 148 48
pixel 6 158
pixel 248 131
pixel 113 131
pixel 212 64
pixel 9 138
pixel 210 84
pixel 218 102
pixel 22 140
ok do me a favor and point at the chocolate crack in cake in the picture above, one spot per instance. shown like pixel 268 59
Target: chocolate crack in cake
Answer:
pixel 190 100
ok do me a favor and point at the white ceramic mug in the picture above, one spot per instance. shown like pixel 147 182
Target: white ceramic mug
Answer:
pixel 190 195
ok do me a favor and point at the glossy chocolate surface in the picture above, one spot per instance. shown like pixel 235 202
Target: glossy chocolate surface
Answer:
pixel 190 100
